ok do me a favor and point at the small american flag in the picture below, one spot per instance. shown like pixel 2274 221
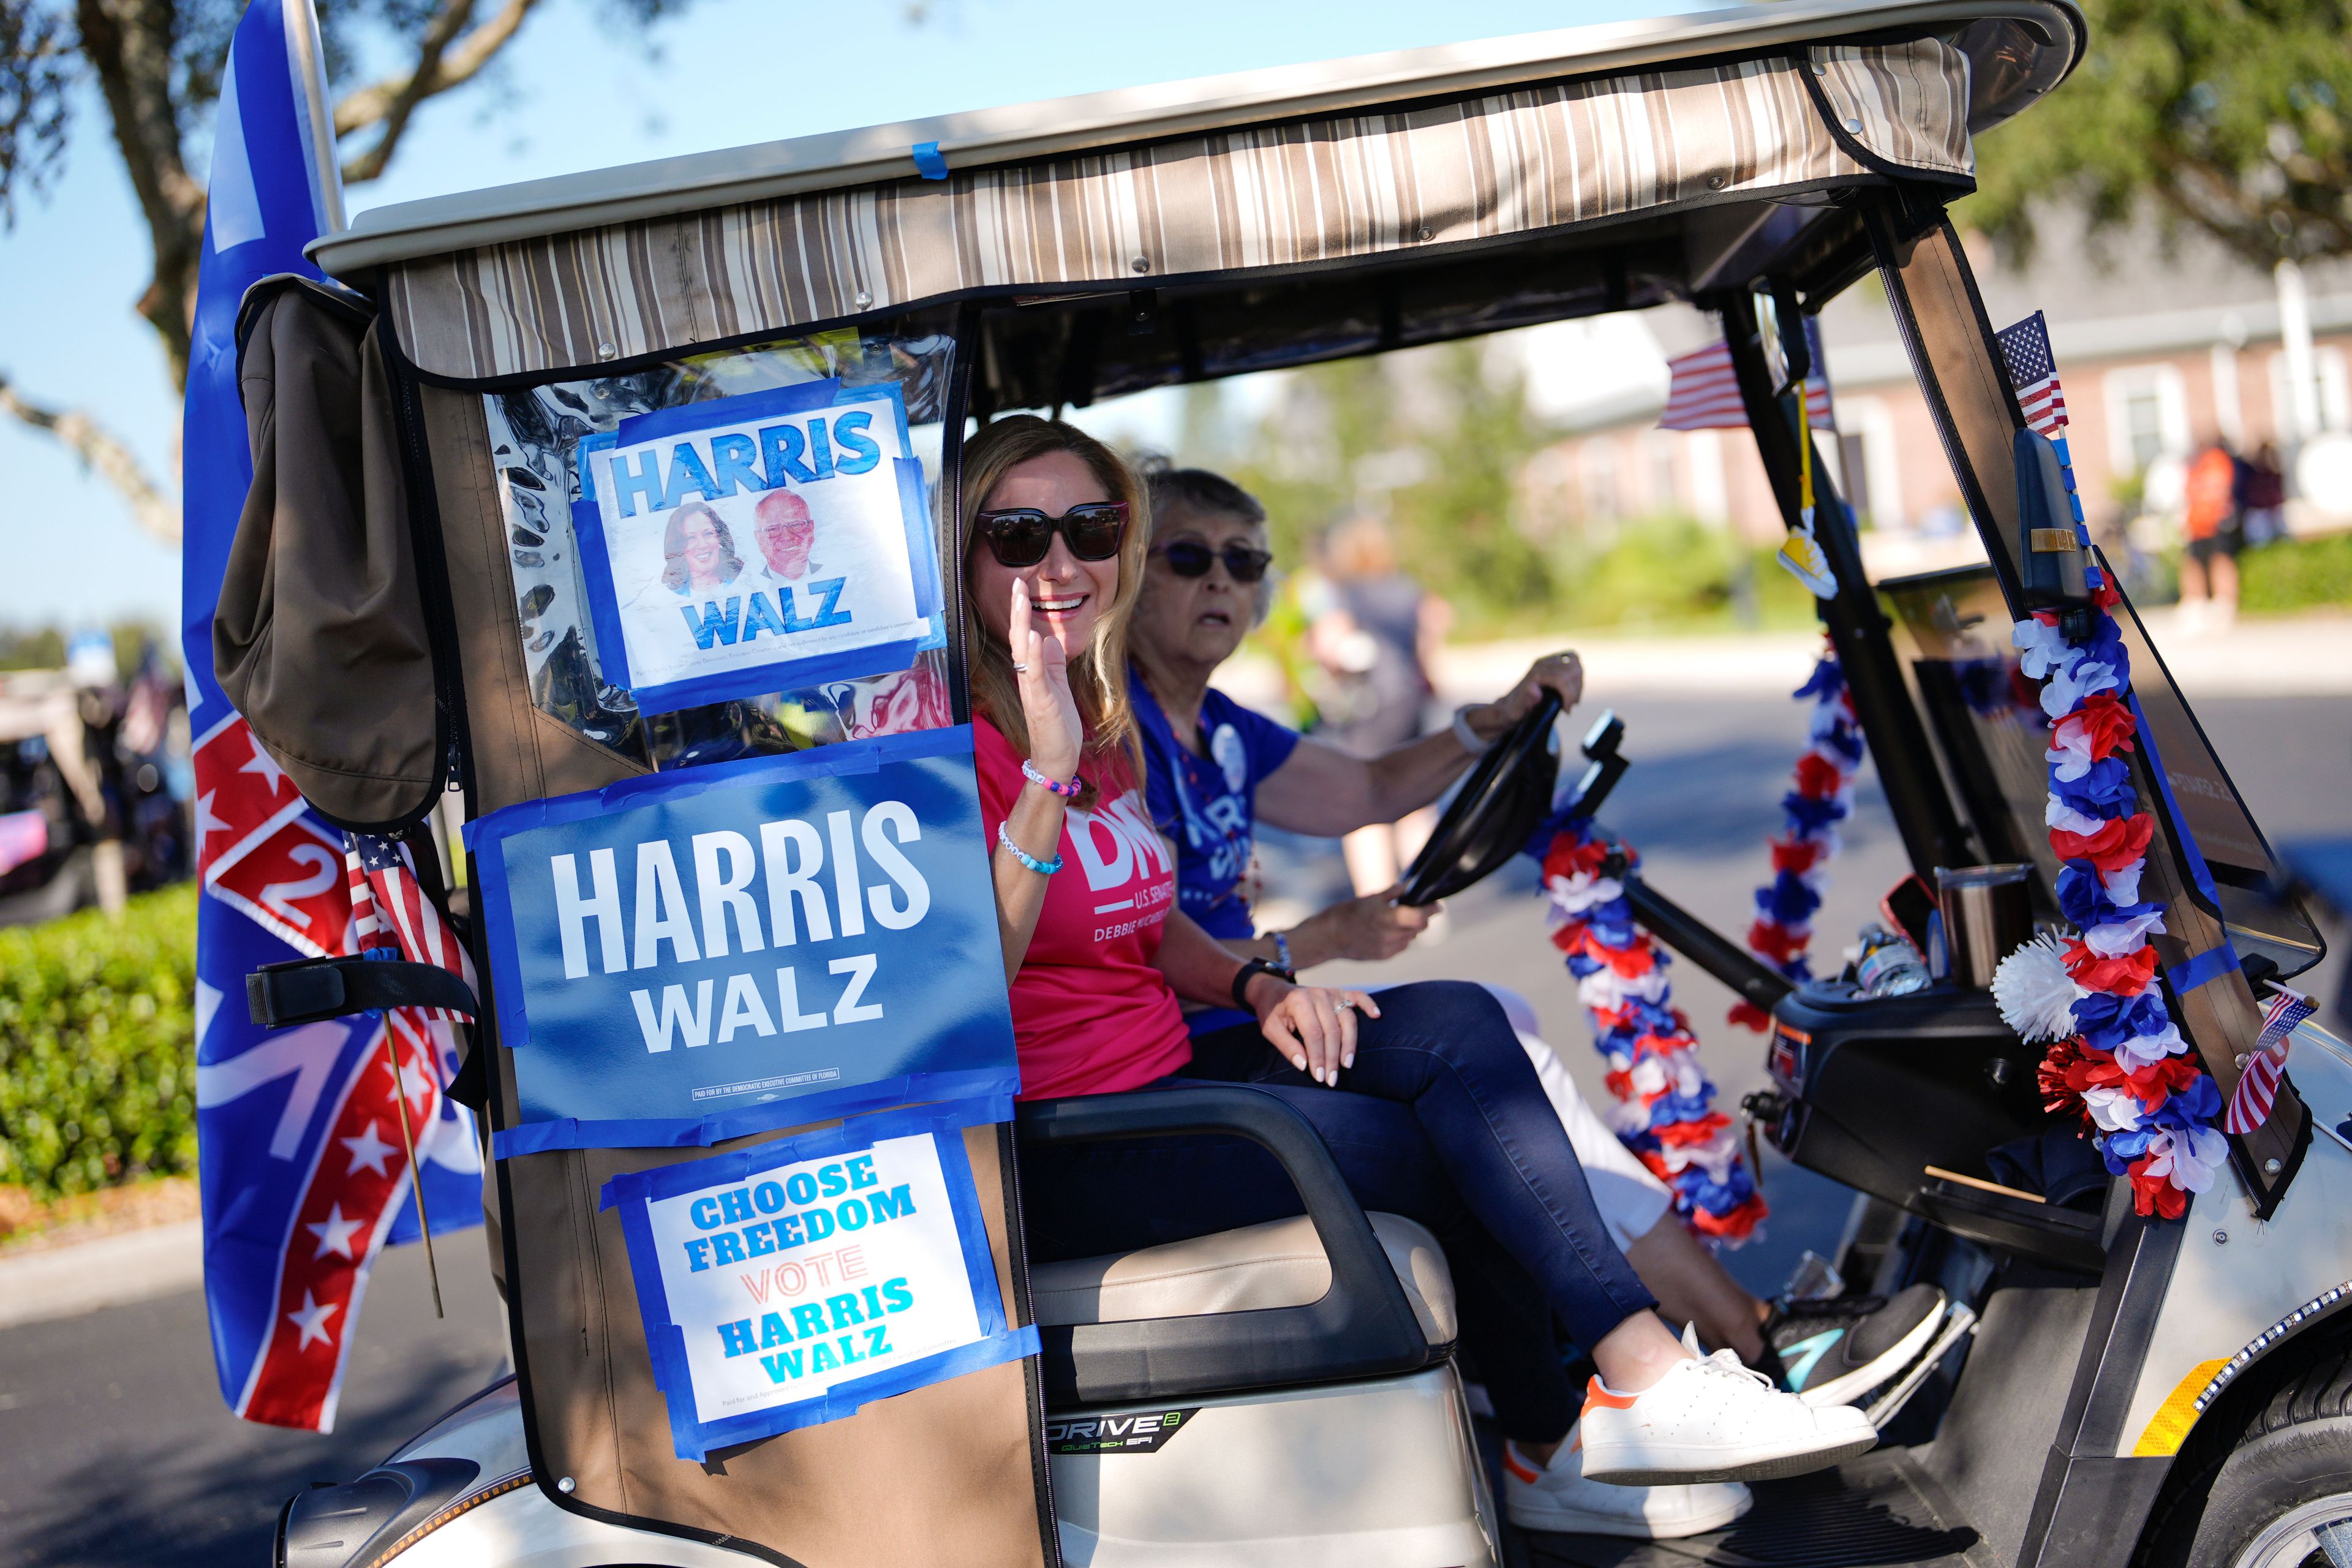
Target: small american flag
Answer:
pixel 390 910
pixel 2033 371
pixel 2250 1102
pixel 1704 394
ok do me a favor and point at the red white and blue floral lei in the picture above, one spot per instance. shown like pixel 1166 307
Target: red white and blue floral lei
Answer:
pixel 1820 797
pixel 1665 1103
pixel 2117 1060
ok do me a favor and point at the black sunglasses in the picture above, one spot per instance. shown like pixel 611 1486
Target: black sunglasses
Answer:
pixel 1191 558
pixel 1023 536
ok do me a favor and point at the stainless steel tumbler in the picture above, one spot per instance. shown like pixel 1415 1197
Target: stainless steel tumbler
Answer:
pixel 1988 914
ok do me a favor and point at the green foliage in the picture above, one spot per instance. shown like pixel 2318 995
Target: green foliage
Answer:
pixel 97 1046
pixel 1676 574
pixel 43 647
pixel 2296 575
pixel 1456 439
pixel 2234 116
pixel 39 648
pixel 1437 440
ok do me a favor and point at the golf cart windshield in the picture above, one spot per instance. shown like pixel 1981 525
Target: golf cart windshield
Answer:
pixel 1953 631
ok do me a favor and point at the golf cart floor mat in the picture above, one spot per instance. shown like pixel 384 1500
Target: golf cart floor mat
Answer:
pixel 1875 1511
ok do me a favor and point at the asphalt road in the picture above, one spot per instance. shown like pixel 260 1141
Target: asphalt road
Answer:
pixel 115 1447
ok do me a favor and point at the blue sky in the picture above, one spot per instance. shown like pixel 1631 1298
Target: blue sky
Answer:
pixel 73 264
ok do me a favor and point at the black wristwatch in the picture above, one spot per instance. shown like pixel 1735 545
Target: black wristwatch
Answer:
pixel 1252 970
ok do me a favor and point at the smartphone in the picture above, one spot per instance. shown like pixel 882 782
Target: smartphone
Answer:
pixel 1909 906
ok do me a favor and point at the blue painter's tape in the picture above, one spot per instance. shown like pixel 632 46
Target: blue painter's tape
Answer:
pixel 927 161
pixel 2202 970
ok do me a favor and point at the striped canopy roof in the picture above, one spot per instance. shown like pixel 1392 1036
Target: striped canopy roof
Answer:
pixel 1278 195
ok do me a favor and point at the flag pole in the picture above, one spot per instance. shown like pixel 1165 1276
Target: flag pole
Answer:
pixel 415 1176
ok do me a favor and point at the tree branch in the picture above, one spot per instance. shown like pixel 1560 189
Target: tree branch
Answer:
pixel 113 461
pixel 444 61
pixel 129 43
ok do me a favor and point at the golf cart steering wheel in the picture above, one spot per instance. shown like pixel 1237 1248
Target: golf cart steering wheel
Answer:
pixel 1498 807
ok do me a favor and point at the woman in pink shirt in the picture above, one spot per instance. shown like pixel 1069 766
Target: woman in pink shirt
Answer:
pixel 1427 1103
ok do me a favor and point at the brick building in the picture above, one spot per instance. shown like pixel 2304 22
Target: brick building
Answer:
pixel 2160 351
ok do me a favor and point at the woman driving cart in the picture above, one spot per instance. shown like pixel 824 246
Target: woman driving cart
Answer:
pixel 1426 1101
pixel 1216 768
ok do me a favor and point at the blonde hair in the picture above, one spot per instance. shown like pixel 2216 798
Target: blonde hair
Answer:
pixel 1097 672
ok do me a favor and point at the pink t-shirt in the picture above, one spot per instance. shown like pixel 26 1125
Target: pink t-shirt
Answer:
pixel 1090 1013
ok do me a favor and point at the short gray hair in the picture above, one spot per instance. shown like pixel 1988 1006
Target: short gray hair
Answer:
pixel 1176 490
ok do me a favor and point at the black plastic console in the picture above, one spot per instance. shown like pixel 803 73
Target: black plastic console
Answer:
pixel 1873 1089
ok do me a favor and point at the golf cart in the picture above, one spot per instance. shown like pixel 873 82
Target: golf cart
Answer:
pixel 2135 1389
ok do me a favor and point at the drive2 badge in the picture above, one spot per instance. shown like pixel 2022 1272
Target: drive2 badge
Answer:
pixel 1120 1432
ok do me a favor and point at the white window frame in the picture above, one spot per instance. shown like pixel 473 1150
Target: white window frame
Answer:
pixel 1882 463
pixel 2328 367
pixel 2124 383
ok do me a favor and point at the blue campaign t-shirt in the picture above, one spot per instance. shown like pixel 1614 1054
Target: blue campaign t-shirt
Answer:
pixel 1208 806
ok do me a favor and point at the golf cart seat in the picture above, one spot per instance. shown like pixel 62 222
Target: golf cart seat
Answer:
pixel 1278 1264
pixel 1333 1295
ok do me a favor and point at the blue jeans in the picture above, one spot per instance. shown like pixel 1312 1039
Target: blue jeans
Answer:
pixel 1440 1119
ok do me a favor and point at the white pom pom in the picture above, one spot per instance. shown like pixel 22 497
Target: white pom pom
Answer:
pixel 2035 992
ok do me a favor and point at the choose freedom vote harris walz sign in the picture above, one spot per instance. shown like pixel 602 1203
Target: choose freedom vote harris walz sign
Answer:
pixel 699 955
pixel 788 1284
pixel 758 543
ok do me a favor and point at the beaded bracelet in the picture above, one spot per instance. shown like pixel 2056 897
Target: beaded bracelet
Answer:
pixel 1029 771
pixel 1043 868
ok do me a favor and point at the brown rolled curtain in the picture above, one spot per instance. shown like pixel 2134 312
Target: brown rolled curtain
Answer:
pixel 319 637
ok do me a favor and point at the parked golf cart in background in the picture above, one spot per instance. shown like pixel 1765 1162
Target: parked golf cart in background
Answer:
pixel 93 785
pixel 2110 1389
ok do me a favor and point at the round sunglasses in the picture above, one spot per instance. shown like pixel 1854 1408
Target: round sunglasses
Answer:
pixel 1191 558
pixel 1021 537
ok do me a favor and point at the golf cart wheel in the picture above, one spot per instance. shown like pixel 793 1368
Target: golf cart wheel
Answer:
pixel 2262 1502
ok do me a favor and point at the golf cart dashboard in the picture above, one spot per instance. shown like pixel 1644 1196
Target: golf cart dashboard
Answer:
pixel 1902 1096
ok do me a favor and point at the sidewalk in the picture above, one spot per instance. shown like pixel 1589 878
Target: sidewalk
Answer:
pixel 108 1271
pixel 2303 656
pixel 2299 655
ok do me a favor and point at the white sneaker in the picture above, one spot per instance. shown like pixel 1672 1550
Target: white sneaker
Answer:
pixel 1711 1419
pixel 1560 1498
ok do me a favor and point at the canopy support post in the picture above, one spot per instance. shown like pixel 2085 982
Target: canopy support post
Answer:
pixel 1931 830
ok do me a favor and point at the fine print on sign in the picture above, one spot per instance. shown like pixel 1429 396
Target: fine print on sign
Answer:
pixel 750 945
pixel 788 1284
pixel 755 544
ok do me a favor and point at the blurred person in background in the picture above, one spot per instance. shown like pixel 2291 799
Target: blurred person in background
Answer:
pixel 2261 497
pixel 2209 566
pixel 1373 637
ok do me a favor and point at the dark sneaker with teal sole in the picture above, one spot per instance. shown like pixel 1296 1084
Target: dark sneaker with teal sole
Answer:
pixel 1837 1351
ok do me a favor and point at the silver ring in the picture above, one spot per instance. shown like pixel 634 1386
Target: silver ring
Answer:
pixel 1020 669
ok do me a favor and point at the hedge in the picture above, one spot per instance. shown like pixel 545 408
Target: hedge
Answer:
pixel 2296 575
pixel 97 1046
